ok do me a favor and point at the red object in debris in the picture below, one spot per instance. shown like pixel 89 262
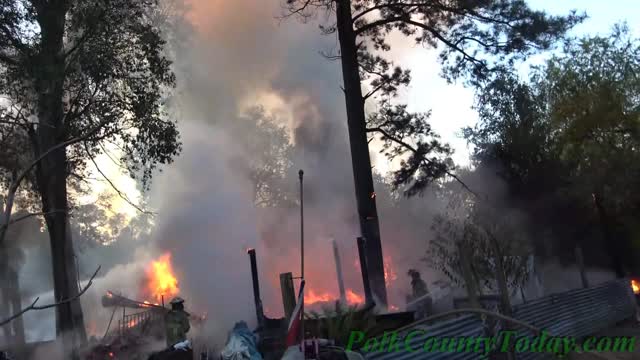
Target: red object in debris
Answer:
pixel 293 332
pixel 110 354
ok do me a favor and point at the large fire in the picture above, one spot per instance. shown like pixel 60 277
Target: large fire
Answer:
pixel 311 297
pixel 161 281
pixel 635 286
pixel 353 298
pixel 389 273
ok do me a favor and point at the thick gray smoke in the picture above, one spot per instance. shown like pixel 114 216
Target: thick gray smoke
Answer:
pixel 241 56
pixel 238 56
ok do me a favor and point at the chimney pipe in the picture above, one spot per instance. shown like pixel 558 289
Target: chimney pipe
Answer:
pixel 256 286
pixel 336 255
pixel 365 271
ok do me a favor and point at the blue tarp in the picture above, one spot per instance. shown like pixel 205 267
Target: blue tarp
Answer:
pixel 242 344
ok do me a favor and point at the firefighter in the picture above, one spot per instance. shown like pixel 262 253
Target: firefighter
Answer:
pixel 177 322
pixel 419 290
pixel 418 285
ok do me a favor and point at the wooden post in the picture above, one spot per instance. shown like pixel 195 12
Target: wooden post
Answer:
pixel 580 262
pixel 336 256
pixel 288 294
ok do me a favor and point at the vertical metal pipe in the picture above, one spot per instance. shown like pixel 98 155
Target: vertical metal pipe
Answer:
pixel 300 176
pixel 336 256
pixel 256 285
pixel 364 270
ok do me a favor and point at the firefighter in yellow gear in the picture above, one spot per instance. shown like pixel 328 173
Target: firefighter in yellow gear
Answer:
pixel 177 322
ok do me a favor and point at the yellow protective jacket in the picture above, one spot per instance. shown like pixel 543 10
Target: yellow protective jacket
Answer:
pixel 177 324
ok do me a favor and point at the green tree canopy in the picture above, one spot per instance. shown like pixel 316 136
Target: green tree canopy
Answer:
pixel 567 141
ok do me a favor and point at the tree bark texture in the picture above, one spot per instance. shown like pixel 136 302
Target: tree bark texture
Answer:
pixel 360 160
pixel 51 172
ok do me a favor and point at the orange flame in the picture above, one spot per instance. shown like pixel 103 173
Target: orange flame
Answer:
pixel 311 297
pixel 161 278
pixel 635 285
pixel 389 273
pixel 353 298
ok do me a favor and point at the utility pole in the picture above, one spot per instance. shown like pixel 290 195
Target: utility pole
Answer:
pixel 300 176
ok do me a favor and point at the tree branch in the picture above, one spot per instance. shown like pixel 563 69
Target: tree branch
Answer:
pixel 424 159
pixel 405 18
pixel 62 302
pixel 26 216
pixel 58 146
pixel 392 5
pixel 7 59
pixel 372 92
pixel 113 186
pixel 17 180
pixel 381 22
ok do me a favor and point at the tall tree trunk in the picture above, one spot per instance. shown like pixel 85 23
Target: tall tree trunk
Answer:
pixel 611 244
pixel 51 172
pixel 14 299
pixel 360 160
pixel 10 300
pixel 5 311
pixel 503 290
pixel 467 275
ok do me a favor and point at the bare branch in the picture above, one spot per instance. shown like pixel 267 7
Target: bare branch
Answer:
pixel 7 59
pixel 26 216
pixel 64 144
pixel 62 302
pixel 424 159
pixel 381 22
pixel 372 92
pixel 329 56
pixel 405 18
pixel 113 186
pixel 12 122
pixel 17 180
pixel 387 5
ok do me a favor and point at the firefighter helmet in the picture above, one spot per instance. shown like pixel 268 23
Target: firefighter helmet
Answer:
pixel 177 300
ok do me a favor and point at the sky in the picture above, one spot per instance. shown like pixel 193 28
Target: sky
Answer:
pixel 451 103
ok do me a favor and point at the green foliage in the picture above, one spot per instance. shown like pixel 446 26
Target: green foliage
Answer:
pixel 486 233
pixel 115 78
pixel 569 139
pixel 268 150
